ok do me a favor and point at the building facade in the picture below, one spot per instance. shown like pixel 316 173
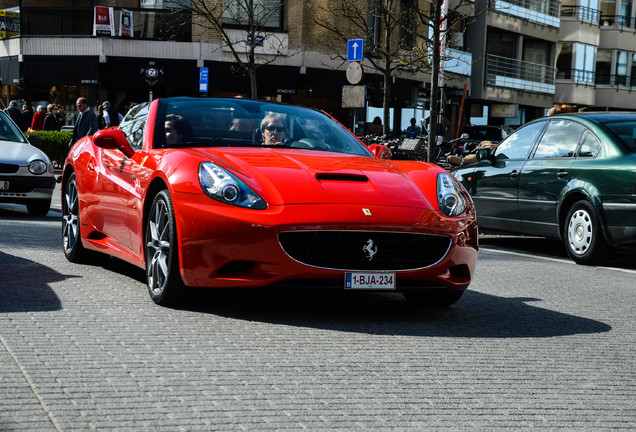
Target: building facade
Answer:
pixel 506 64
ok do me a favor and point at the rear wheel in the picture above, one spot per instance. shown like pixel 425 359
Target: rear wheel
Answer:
pixel 161 250
pixel 433 298
pixel 71 239
pixel 582 233
pixel 39 207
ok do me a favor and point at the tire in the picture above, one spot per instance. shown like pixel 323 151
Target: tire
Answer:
pixel 162 252
pixel 71 238
pixel 433 298
pixel 582 234
pixel 39 207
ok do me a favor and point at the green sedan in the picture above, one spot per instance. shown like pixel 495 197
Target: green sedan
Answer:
pixel 570 176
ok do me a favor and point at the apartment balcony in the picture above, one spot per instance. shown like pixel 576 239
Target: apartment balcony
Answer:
pixel 544 12
pixel 617 32
pixel 519 75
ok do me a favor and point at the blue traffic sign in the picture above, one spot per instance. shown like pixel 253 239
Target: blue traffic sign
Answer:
pixel 355 50
pixel 203 79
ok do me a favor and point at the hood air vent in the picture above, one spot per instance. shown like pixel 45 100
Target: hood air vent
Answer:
pixel 342 177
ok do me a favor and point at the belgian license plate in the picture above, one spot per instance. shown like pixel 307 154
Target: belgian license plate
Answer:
pixel 4 185
pixel 369 281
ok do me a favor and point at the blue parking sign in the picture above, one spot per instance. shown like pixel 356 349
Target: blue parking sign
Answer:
pixel 355 50
pixel 203 79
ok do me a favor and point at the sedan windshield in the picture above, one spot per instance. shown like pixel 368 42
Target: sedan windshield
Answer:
pixel 9 131
pixel 189 122
pixel 626 132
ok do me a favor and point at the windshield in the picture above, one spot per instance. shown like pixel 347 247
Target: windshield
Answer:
pixel 189 122
pixel 625 131
pixel 9 131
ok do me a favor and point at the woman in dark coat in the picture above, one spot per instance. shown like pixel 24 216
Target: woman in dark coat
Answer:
pixel 50 121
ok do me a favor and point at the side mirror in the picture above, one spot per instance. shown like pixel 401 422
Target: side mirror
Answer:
pixel 35 140
pixel 465 136
pixel 113 139
pixel 483 154
pixel 380 151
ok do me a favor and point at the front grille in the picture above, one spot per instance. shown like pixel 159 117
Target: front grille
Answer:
pixel 8 168
pixel 351 250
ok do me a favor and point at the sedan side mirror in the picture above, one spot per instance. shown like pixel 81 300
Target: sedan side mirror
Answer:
pixel 483 154
pixel 35 140
pixel 113 139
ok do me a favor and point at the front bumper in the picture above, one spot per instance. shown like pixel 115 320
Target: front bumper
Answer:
pixel 225 246
pixel 27 188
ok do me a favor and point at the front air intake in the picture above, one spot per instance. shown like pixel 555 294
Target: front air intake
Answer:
pixel 364 250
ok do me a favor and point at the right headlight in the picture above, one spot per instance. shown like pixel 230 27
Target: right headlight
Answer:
pixel 38 167
pixel 225 187
pixel 450 196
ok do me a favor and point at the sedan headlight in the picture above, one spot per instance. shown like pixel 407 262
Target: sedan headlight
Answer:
pixel 450 196
pixel 225 187
pixel 38 167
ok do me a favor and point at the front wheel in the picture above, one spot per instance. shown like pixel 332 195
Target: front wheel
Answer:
pixel 584 240
pixel 162 252
pixel 71 239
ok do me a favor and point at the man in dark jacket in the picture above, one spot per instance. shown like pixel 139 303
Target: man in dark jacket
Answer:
pixel 86 123
pixel 27 117
pixel 15 113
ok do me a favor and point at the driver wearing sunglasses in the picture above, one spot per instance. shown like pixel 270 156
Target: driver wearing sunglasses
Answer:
pixel 273 129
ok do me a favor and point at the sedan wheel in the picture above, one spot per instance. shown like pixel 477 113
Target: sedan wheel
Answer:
pixel 73 248
pixel 162 259
pixel 582 233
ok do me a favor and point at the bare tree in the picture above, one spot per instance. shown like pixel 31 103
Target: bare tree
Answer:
pixel 383 24
pixel 439 21
pixel 247 28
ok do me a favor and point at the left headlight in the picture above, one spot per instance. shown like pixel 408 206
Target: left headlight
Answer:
pixel 38 167
pixel 450 196
pixel 225 187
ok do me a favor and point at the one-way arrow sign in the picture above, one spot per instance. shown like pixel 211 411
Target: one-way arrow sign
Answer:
pixel 355 50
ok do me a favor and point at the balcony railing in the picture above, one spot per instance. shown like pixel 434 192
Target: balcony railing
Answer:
pixel 585 77
pixel 519 75
pixel 620 21
pixel 545 12
pixel 580 76
pixel 582 13
pixel 618 81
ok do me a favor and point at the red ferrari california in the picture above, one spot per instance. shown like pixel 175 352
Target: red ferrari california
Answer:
pixel 234 193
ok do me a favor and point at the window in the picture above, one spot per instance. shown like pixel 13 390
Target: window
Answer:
pixel 585 56
pixel 603 66
pixel 564 60
pixel 134 124
pixel 518 145
pixel 561 139
pixel 590 147
pixel 266 13
pixel 621 67
pixel 589 11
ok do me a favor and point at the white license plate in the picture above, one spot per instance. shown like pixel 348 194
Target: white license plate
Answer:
pixel 4 185
pixel 370 281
